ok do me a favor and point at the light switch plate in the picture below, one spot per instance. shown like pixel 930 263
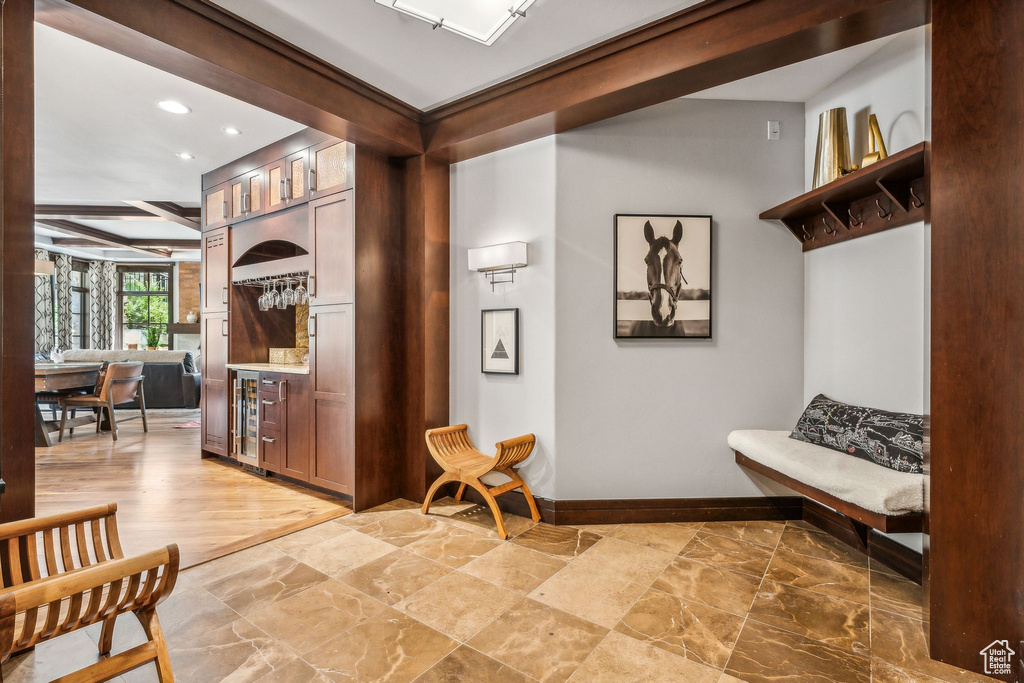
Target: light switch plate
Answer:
pixel 774 130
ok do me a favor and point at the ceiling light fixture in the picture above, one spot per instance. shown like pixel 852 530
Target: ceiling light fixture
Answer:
pixel 185 155
pixel 231 130
pixel 174 107
pixel 483 20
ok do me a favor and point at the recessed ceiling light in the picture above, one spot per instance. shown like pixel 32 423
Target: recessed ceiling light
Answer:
pixel 185 155
pixel 174 107
pixel 231 130
pixel 482 20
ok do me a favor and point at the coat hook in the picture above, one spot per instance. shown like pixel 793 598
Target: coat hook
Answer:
pixel 829 230
pixel 915 201
pixel 854 221
pixel 803 229
pixel 882 213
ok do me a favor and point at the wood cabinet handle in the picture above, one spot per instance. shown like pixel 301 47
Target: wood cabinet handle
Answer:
pixel 281 395
pixel 312 181
pixel 312 325
pixel 224 327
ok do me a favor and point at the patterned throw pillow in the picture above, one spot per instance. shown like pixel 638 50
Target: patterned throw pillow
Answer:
pixel 190 366
pixel 892 440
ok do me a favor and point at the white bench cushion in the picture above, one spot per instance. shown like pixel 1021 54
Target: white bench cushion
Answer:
pixel 851 479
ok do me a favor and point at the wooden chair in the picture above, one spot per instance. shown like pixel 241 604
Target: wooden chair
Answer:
pixel 81 578
pixel 463 463
pixel 122 384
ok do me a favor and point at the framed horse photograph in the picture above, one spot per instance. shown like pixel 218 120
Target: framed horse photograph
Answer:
pixel 662 276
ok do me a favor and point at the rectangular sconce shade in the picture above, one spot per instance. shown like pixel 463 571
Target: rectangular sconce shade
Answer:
pixel 506 256
pixel 44 267
pixel 481 20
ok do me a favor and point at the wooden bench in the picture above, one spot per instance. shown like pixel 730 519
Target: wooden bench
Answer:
pixel 64 572
pixel 462 462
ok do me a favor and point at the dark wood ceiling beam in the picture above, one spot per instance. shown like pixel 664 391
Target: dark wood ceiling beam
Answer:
pixel 712 43
pixel 84 212
pixel 98 236
pixel 148 242
pixel 198 41
pixel 169 211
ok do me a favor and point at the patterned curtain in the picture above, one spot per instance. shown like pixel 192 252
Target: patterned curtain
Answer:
pixel 44 308
pixel 62 263
pixel 102 304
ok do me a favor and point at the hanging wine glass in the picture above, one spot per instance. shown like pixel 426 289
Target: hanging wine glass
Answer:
pixel 281 300
pixel 263 298
pixel 301 296
pixel 289 294
pixel 274 298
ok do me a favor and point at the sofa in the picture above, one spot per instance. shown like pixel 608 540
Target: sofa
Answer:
pixel 173 378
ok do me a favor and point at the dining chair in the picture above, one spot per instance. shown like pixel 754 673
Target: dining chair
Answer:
pixel 122 384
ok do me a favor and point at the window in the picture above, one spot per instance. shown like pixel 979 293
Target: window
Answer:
pixel 79 305
pixel 144 300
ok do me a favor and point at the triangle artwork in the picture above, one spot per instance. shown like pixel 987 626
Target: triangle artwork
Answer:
pixel 499 351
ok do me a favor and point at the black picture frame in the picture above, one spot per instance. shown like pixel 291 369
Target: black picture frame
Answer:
pixel 652 331
pixel 513 356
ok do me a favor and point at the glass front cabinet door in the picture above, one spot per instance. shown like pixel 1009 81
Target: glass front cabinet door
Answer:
pixel 330 168
pixel 216 206
pixel 286 181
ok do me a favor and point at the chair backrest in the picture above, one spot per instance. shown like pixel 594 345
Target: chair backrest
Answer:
pixel 115 386
pixel 69 541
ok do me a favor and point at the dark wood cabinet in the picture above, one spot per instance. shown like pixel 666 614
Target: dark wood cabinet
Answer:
pixel 331 224
pixel 284 424
pixel 331 380
pixel 216 401
pixel 330 168
pixel 216 208
pixel 246 196
pixel 216 271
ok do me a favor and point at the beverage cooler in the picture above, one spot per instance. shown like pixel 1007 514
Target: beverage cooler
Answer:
pixel 247 417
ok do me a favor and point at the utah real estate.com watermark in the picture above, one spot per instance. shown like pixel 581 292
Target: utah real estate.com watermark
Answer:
pixel 998 656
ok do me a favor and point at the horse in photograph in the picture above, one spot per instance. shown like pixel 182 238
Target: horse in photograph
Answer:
pixel 664 273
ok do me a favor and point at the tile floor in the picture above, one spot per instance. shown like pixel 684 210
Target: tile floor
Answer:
pixel 394 595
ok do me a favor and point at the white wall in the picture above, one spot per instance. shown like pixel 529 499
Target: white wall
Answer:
pixel 503 197
pixel 649 419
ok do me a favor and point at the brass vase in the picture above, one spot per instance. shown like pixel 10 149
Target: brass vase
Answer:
pixel 876 145
pixel 832 154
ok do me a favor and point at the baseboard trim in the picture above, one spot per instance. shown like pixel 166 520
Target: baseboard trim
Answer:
pixel 880 548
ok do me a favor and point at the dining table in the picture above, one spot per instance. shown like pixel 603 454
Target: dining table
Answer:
pixel 62 377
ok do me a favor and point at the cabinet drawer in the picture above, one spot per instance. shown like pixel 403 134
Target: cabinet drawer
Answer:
pixel 271 450
pixel 271 412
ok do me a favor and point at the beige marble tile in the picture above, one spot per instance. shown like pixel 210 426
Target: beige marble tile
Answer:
pixel 900 641
pixel 538 640
pixel 479 518
pixel 767 534
pixel 844 581
pixel 728 552
pixel 565 542
pixel 669 538
pixel 884 672
pixel 402 528
pixel 765 654
pixel 718 587
pixel 358 519
pixel 895 594
pixel 819 617
pixel 252 589
pixel 311 618
pixel 514 567
pixel 344 553
pixel 458 605
pixel 599 529
pixel 223 567
pixel 466 664
pixel 630 561
pixel 390 646
pixel 621 658
pixel 453 546
pixel 293 543
pixel 684 627
pixel 877 566
pixel 237 652
pixel 822 546
pixel 296 671
pixel 395 576
pixel 52 659
pixel 188 615
pixel 596 596
pixel 447 507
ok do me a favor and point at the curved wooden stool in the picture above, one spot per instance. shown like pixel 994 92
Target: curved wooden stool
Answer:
pixel 463 463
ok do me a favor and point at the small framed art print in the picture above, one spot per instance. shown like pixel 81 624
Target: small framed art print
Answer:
pixel 499 341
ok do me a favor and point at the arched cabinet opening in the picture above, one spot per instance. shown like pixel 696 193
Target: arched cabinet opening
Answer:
pixel 271 250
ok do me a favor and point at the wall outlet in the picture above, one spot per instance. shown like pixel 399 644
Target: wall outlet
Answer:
pixel 774 130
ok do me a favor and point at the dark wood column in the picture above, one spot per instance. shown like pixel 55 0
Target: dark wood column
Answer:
pixel 17 190
pixel 976 454
pixel 427 308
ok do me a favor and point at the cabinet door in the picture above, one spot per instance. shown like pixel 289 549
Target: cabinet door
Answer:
pixel 331 226
pixel 271 450
pixel 296 455
pixel 236 201
pixel 216 271
pixel 331 376
pixel 297 185
pixel 252 194
pixel 330 168
pixel 276 181
pixel 216 401
pixel 216 206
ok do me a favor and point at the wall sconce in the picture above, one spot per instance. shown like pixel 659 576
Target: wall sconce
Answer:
pixel 44 267
pixel 498 261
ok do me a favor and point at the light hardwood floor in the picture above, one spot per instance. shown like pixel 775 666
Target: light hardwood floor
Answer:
pixel 167 494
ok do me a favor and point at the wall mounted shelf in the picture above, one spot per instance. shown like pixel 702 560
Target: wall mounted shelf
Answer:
pixel 887 194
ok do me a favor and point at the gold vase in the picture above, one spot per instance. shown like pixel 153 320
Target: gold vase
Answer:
pixel 876 145
pixel 832 154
